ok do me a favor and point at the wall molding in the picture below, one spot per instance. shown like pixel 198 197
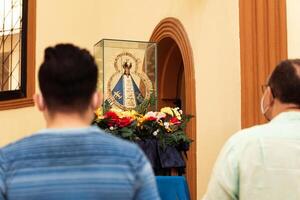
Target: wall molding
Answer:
pixel 263 43
pixel 172 28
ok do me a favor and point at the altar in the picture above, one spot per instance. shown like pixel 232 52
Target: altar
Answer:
pixel 172 187
pixel 128 82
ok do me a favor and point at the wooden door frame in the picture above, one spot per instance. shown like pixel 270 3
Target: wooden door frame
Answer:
pixel 263 43
pixel 30 66
pixel 172 28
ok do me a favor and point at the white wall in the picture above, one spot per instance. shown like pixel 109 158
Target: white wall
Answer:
pixel 293 28
pixel 213 30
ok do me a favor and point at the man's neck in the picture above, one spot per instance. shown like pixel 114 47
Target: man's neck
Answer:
pixel 281 107
pixel 68 120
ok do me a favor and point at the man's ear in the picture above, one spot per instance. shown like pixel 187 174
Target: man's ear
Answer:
pixel 96 100
pixel 39 102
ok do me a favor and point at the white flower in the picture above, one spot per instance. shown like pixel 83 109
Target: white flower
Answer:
pixel 157 115
pixel 150 114
pixel 180 111
pixel 155 132
pixel 166 124
pixel 111 128
pixel 160 115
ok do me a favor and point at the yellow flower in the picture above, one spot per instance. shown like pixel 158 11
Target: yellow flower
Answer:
pixel 160 122
pixel 130 113
pixel 167 110
pixel 141 120
pixel 99 112
pixel 126 114
pixel 172 111
pixel 169 130
pixel 117 111
pixel 177 113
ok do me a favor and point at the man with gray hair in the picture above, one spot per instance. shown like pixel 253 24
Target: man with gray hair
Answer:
pixel 263 162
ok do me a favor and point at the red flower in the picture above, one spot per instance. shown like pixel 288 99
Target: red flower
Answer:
pixel 115 121
pixel 151 118
pixel 123 122
pixel 111 115
pixel 174 120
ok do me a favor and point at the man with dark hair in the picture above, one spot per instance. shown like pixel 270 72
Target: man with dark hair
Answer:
pixel 67 78
pixel 262 162
pixel 70 159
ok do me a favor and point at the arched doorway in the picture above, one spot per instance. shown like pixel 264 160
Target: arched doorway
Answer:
pixel 176 81
pixel 170 70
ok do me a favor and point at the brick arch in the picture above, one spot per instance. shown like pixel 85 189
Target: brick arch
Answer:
pixel 172 28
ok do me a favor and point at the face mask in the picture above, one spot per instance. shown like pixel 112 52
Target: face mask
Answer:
pixel 262 109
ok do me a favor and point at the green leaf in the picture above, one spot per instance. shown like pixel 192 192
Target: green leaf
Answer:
pixel 126 132
pixel 143 107
pixel 106 106
pixel 185 120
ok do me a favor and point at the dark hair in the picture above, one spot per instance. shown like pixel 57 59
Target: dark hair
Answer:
pixel 67 78
pixel 285 81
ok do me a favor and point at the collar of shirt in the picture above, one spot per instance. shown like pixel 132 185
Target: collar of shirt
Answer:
pixel 287 116
pixel 87 129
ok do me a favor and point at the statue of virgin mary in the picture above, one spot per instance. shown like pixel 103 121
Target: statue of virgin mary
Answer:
pixel 126 91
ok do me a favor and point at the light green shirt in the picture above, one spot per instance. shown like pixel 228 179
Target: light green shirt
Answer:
pixel 260 163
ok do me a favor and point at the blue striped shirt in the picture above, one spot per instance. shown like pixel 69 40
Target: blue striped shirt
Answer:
pixel 65 164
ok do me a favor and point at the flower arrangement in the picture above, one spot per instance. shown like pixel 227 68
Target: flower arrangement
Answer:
pixel 167 125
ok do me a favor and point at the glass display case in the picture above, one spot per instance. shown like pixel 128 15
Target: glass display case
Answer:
pixel 127 72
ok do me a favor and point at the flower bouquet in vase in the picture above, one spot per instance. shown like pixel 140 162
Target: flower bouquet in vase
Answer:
pixel 161 134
